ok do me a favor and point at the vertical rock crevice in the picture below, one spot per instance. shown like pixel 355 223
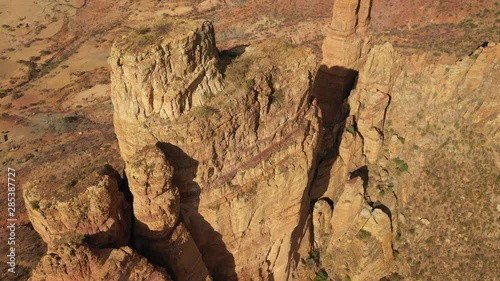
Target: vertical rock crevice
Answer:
pixel 355 238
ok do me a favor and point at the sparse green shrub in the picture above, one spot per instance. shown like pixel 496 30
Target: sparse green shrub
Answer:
pixel 351 129
pixel 287 44
pixel 308 262
pixel 314 254
pixel 35 205
pixel 206 111
pixel 142 30
pixel 278 96
pixel 390 187
pixel 468 23
pixel 71 183
pixel 163 27
pixel 321 276
pixel 16 96
pixel 250 83
pixel 396 256
pixel 363 234
pixel 69 119
pixel 32 68
pixel 401 165
pixel 237 71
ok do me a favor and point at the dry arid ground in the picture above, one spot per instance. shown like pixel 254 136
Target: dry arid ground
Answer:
pixel 56 116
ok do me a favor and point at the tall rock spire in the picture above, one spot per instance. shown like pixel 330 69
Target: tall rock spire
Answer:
pixel 346 39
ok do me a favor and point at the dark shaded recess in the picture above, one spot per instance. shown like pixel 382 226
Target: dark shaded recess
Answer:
pixel 329 201
pixel 229 55
pixel 103 240
pixel 484 45
pixel 218 260
pixel 124 188
pixel 363 173
pixel 330 88
pixel 393 277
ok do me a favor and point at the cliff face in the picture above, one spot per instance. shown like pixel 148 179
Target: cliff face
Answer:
pixel 403 115
pixel 347 39
pixel 354 232
pixel 86 226
pixel 240 164
pixel 228 167
pixel 95 208
pixel 73 262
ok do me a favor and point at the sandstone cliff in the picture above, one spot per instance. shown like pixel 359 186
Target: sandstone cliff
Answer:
pixel 248 164
pixel 347 39
pixel 239 154
pixel 401 113
pixel 73 262
pixel 94 208
pixel 87 226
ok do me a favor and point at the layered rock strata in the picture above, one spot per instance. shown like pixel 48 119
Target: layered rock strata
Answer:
pixel 239 157
pixel 94 208
pixel 347 39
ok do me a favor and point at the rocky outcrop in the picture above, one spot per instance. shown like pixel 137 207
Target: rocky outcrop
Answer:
pixel 242 156
pixel 357 237
pixel 74 262
pixel 443 122
pixel 87 225
pixel 346 40
pixel 93 208
pixel 169 77
pixel 354 233
pixel 224 154
pixel 158 231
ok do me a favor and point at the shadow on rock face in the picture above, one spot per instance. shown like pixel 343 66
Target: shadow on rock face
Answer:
pixel 218 260
pixel 228 56
pixel 331 89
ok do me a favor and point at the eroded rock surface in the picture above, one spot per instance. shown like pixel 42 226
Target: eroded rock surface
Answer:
pixel 73 262
pixel 225 152
pixel 94 209
pixel 242 156
pixel 347 40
